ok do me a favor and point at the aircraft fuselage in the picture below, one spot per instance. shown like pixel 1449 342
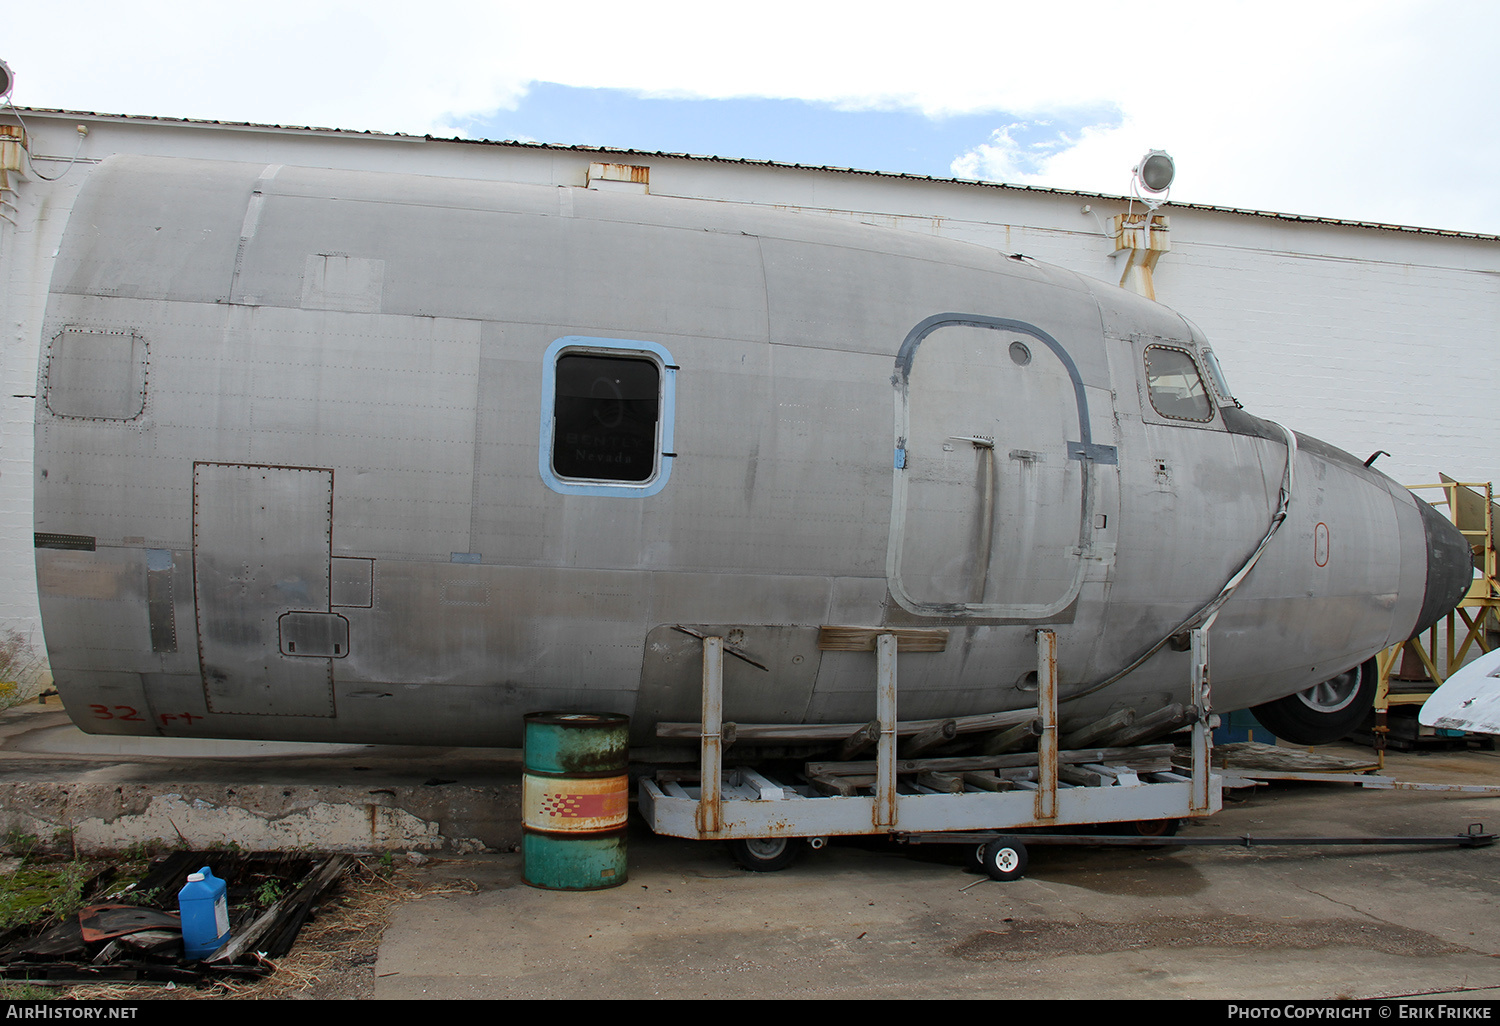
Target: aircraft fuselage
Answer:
pixel 333 456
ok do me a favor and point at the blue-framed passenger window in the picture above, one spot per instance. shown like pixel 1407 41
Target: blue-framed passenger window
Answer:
pixel 607 411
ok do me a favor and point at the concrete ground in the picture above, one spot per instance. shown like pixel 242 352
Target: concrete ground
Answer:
pixel 862 918
pixel 874 920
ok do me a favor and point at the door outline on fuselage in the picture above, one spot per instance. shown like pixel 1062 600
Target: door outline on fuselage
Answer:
pixel 1084 450
pixel 262 548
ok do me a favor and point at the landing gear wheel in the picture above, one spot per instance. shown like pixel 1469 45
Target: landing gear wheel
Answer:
pixel 1004 859
pixel 765 854
pixel 1324 712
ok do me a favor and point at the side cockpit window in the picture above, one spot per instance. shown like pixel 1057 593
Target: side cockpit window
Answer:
pixel 607 410
pixel 1175 386
pixel 1217 379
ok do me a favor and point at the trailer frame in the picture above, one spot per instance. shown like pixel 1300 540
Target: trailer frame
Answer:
pixel 747 805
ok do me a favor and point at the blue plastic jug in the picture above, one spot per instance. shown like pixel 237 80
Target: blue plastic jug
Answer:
pixel 205 914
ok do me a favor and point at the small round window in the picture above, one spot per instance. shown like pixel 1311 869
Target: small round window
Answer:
pixel 1020 355
pixel 1175 386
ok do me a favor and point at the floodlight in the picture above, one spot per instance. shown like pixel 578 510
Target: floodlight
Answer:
pixel 7 80
pixel 1156 171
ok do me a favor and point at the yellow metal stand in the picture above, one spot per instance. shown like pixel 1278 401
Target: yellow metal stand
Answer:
pixel 1471 507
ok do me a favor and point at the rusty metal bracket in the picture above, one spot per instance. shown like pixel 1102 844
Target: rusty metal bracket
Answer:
pixel 885 713
pixel 711 748
pixel 1046 749
pixel 1202 699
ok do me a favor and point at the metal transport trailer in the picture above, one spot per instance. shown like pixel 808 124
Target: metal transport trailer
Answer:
pixel 763 816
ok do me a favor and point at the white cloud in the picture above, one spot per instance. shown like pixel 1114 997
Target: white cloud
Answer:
pixel 1372 111
pixel 1029 152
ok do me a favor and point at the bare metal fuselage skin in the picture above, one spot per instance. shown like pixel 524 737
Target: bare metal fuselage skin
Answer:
pixel 297 474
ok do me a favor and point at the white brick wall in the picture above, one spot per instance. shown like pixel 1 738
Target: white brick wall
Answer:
pixel 26 251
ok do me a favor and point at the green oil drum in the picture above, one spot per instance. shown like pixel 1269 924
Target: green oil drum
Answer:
pixel 575 795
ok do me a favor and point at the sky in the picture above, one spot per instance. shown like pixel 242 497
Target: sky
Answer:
pixel 1379 110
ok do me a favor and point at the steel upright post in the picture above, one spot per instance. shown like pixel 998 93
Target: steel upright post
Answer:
pixel 1202 699
pixel 711 755
pixel 885 712
pixel 1046 752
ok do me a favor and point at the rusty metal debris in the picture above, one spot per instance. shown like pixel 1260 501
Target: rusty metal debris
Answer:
pixel 132 934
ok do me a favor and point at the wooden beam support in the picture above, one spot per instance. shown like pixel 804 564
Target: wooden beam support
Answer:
pixel 929 739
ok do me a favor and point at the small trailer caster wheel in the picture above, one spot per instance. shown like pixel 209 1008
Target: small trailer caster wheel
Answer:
pixel 974 858
pixel 1155 827
pixel 765 854
pixel 1004 859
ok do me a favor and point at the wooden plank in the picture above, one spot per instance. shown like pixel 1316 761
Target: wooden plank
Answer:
pixel 951 783
pixel 842 787
pixel 862 639
pixel 1245 755
pixel 958 764
pixel 1139 765
pixel 1099 729
pixel 861 739
pixel 289 911
pixel 1166 719
pixel 1009 740
pixel 929 739
pixel 839 731
pixel 1083 777
pixel 987 781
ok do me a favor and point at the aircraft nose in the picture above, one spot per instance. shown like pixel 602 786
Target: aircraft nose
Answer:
pixel 1450 567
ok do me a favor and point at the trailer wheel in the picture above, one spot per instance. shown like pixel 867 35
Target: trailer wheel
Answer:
pixel 974 858
pixel 765 854
pixel 1004 859
pixel 1155 827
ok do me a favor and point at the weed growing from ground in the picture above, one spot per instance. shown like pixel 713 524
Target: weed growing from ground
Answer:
pixel 22 668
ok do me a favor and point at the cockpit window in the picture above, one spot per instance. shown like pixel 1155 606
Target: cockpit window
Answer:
pixel 1217 379
pixel 1175 386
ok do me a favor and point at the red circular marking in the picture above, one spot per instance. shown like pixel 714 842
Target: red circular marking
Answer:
pixel 1320 544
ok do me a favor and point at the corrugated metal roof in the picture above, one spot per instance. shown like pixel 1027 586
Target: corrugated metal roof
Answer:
pixel 747 162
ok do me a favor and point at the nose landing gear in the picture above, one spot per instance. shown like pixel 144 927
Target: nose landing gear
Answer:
pixel 1324 712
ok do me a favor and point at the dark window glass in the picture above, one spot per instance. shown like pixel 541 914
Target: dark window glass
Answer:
pixel 604 419
pixel 1175 386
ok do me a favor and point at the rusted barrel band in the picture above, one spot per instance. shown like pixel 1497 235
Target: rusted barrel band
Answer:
pixel 569 835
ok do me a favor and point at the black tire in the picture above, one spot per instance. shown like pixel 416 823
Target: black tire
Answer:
pixel 766 854
pixel 1324 712
pixel 974 858
pixel 1005 859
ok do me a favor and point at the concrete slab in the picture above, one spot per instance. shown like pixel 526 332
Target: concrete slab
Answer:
pixel 101 793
